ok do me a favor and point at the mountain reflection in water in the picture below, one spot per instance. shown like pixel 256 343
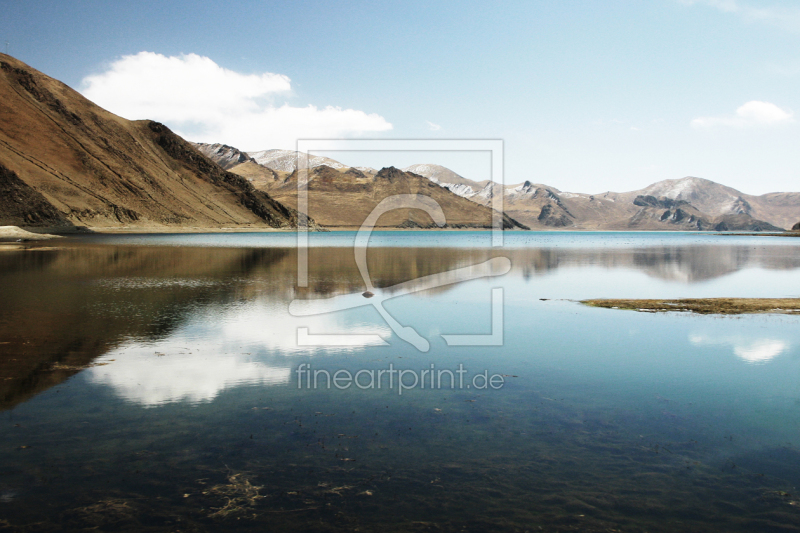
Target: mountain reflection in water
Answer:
pixel 64 308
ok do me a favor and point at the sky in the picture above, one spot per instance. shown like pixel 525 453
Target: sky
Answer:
pixel 587 96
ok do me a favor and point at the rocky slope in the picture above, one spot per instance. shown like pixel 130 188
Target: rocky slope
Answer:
pixel 689 204
pixel 341 196
pixel 345 197
pixel 21 205
pixel 286 160
pixel 225 156
pixel 718 200
pixel 686 204
pixel 66 161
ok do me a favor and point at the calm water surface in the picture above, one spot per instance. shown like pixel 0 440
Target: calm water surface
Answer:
pixel 150 383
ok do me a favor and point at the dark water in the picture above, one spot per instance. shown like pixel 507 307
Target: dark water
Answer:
pixel 157 384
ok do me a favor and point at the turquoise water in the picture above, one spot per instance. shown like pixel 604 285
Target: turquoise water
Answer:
pixel 157 383
pixel 434 239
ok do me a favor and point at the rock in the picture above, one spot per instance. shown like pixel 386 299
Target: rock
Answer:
pixel 796 227
pixel 663 202
pixel 22 205
pixel 550 217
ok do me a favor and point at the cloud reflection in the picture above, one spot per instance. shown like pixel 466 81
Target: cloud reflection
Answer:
pixel 270 326
pixel 753 351
pixel 216 350
pixel 155 374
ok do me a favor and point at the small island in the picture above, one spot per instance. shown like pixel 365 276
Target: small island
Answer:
pixel 705 306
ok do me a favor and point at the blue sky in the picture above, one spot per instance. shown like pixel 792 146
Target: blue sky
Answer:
pixel 588 96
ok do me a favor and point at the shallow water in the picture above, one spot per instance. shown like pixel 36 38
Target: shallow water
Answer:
pixel 157 383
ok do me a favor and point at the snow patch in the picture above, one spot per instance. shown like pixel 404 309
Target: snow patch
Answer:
pixel 286 160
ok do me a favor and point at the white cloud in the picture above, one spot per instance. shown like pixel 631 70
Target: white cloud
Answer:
pixel 785 17
pixel 205 102
pixel 432 126
pixel 752 113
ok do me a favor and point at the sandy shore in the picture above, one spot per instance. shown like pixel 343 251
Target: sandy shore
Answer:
pixel 258 229
pixel 706 306
pixel 268 229
pixel 184 229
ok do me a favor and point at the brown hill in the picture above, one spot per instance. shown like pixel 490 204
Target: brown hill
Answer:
pixel 261 177
pixel 345 197
pixel 68 161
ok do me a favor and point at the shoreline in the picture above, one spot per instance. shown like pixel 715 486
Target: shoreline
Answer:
pixel 787 233
pixel 162 230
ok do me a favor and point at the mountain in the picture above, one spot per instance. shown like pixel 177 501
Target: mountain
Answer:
pixel 779 209
pixel 445 177
pixel 678 213
pixel 727 208
pixel 65 161
pixel 648 209
pixel 448 179
pixel 688 204
pixel 225 156
pixel 341 196
pixel 286 160
pixel 345 197
pixel 685 204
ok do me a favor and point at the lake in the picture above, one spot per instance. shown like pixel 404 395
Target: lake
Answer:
pixel 169 383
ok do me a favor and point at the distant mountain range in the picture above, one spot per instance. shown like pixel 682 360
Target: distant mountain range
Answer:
pixel 687 204
pixel 342 197
pixel 66 162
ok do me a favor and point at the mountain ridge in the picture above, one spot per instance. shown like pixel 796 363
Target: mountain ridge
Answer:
pixel 344 198
pixel 714 202
pixel 68 162
pixel 711 206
